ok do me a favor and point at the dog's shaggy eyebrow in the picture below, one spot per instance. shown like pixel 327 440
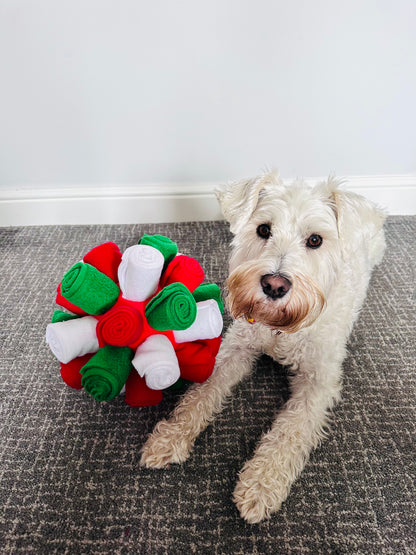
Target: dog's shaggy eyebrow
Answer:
pixel 310 222
pixel 264 214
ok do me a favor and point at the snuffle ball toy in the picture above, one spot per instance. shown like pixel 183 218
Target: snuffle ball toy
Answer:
pixel 139 322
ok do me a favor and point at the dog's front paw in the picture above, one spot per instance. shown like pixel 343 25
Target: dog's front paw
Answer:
pixel 258 493
pixel 167 444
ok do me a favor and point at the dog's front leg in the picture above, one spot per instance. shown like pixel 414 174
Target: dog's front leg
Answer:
pixel 172 440
pixel 265 480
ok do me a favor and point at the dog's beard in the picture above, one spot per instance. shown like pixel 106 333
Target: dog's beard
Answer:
pixel 296 310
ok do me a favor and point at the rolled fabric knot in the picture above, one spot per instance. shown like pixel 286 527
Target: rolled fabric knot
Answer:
pixel 214 344
pixel 138 394
pixel 173 308
pixel 196 361
pixel 71 371
pixel 121 326
pixel 105 374
pixel 139 272
pixel 156 361
pixel 85 286
pixel 207 325
pixel 106 258
pixel 163 244
pixel 72 338
pixel 183 269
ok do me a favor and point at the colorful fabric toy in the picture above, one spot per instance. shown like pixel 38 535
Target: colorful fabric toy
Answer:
pixel 141 321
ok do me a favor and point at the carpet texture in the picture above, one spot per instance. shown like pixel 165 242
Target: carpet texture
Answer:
pixel 69 475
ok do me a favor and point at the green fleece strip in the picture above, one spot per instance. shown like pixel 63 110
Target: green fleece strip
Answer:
pixel 209 291
pixel 166 246
pixel 61 316
pixel 173 308
pixel 89 289
pixel 106 372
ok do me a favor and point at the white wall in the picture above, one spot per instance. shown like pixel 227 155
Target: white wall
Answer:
pixel 98 92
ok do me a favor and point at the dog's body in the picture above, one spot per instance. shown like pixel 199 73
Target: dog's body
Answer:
pixel 301 262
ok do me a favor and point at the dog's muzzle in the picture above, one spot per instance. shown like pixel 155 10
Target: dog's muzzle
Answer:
pixel 272 299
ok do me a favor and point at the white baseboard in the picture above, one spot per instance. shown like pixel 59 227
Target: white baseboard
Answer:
pixel 395 193
pixel 163 203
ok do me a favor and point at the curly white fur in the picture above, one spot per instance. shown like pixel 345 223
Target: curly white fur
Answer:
pixel 306 329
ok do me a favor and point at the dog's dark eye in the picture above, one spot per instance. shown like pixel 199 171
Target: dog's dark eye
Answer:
pixel 314 241
pixel 264 231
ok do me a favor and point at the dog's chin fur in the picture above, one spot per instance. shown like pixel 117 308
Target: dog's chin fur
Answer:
pixel 298 309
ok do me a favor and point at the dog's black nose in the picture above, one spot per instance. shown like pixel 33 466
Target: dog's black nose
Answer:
pixel 275 286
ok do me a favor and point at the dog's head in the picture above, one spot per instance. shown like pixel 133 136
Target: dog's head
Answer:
pixel 290 243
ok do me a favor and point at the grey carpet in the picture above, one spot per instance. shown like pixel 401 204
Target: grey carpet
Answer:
pixel 69 475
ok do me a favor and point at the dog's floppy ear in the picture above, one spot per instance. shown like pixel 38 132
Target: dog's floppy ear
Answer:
pixel 358 219
pixel 238 200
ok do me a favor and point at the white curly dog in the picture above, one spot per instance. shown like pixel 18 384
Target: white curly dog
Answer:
pixel 299 270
